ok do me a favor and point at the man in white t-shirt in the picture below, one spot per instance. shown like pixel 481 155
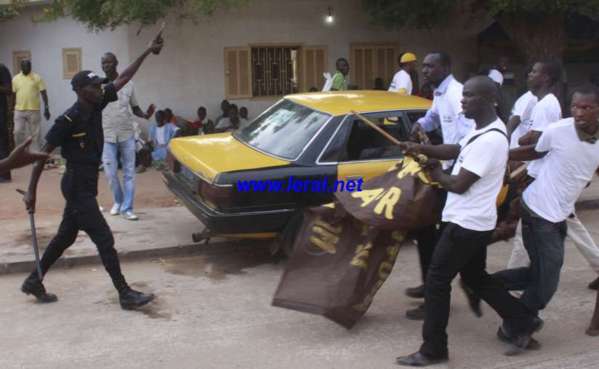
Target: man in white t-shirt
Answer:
pixel 402 81
pixel 446 114
pixel 571 157
pixel 469 217
pixel 519 122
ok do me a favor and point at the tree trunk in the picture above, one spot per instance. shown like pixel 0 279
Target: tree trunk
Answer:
pixel 537 38
pixel 593 329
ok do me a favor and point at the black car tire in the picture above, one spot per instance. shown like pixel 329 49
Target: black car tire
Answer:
pixel 289 233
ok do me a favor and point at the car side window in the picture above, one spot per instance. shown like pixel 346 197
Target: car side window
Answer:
pixel 357 141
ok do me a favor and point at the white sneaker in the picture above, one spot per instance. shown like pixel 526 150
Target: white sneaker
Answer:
pixel 115 209
pixel 129 215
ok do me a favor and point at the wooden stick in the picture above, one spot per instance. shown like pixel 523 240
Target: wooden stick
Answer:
pixel 376 128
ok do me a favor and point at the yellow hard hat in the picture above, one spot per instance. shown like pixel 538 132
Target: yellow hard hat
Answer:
pixel 407 58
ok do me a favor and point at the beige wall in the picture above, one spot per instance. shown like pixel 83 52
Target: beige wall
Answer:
pixel 190 72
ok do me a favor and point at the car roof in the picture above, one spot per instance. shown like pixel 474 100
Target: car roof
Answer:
pixel 343 102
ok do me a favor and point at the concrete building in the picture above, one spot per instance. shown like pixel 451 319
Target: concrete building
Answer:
pixel 247 55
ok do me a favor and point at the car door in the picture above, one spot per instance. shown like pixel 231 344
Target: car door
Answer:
pixel 359 151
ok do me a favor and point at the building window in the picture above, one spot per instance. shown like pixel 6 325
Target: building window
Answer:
pixel 17 57
pixel 371 61
pixel 71 62
pixel 272 71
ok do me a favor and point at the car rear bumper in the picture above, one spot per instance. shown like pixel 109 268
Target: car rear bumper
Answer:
pixel 223 222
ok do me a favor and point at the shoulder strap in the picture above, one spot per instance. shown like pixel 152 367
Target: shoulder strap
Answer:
pixel 473 138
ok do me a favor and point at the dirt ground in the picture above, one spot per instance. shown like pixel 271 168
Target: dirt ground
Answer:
pixel 150 193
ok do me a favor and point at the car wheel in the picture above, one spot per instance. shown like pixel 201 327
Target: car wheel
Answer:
pixel 289 233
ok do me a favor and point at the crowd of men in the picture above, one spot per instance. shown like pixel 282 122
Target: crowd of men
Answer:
pixel 560 155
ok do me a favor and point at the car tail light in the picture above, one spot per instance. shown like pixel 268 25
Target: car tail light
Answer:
pixel 172 163
pixel 217 197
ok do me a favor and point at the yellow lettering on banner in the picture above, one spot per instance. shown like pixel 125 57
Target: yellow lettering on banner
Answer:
pixel 410 167
pixel 387 203
pixel 325 246
pixel 367 196
pixel 362 255
pixel 363 306
pixel 385 269
pixel 320 223
pixel 324 239
pixel 393 251
pixel 398 236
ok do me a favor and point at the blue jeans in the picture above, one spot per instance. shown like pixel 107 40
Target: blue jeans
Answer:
pixel 124 194
pixel 544 242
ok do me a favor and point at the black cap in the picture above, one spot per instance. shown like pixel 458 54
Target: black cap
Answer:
pixel 85 78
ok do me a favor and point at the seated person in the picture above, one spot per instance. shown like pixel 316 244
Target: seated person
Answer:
pixel 243 117
pixel 231 122
pixel 160 135
pixel 197 127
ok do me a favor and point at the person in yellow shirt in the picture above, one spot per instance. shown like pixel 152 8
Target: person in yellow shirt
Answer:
pixel 28 87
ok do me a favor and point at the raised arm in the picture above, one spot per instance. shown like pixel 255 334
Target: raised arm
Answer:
pixel 130 71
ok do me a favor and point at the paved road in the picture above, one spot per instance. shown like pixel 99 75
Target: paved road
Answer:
pixel 214 312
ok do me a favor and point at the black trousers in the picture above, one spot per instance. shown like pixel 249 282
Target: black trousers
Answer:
pixel 426 240
pixel 464 251
pixel 83 213
pixel 4 142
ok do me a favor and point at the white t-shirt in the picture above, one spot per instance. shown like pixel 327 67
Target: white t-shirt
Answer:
pixel 160 135
pixel 486 157
pixel 568 167
pixel 522 108
pixel 547 111
pixel 401 80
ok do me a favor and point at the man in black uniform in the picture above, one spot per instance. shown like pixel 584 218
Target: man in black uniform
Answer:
pixel 79 133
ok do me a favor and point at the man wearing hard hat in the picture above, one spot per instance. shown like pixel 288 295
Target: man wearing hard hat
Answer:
pixel 402 82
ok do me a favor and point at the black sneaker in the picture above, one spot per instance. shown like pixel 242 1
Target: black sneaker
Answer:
pixel 416 314
pixel 131 299
pixel 594 285
pixel 33 286
pixel 415 292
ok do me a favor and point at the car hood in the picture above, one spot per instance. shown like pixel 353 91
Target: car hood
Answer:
pixel 209 155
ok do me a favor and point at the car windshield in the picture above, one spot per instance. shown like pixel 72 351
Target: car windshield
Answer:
pixel 284 130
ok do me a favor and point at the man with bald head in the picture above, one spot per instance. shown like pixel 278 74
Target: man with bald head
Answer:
pixel 469 218
pixel 119 141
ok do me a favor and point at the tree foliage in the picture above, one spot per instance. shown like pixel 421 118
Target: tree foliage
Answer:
pixel 100 15
pixel 537 27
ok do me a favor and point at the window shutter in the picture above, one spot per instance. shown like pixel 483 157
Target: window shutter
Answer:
pixel 371 61
pixel 237 73
pixel 313 65
pixel 71 62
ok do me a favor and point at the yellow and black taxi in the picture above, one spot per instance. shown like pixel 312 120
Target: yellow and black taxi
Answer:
pixel 242 182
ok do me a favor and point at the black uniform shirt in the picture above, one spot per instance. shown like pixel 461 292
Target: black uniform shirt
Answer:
pixel 80 136
pixel 5 79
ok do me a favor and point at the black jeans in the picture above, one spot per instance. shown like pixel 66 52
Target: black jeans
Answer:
pixel 83 213
pixel 544 242
pixel 427 239
pixel 464 251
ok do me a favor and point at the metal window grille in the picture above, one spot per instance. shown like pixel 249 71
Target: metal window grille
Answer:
pixel 274 71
